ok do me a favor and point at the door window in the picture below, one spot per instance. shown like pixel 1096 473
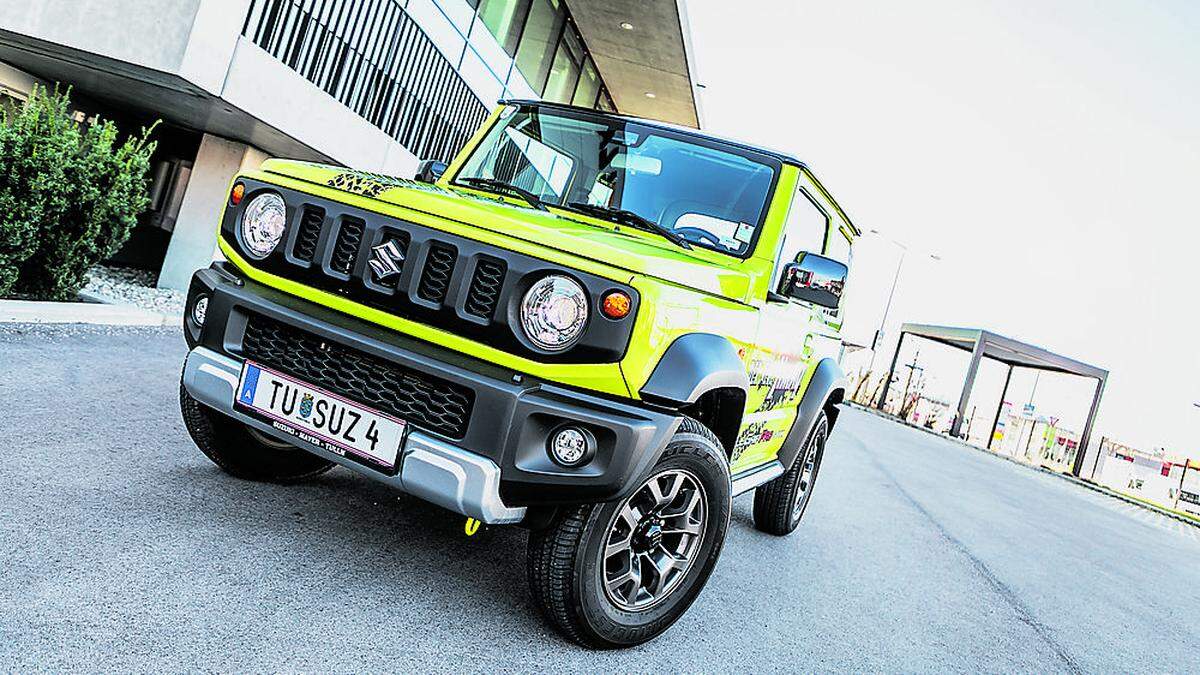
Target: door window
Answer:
pixel 804 231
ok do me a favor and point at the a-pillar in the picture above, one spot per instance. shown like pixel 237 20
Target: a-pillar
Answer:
pixel 194 241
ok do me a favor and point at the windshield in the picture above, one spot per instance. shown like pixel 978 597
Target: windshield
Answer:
pixel 711 193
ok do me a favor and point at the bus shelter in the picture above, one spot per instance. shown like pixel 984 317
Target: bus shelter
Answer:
pixel 1013 353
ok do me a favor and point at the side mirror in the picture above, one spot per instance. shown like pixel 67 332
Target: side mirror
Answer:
pixel 814 278
pixel 429 170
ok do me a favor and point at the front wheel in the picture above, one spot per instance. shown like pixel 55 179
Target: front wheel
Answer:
pixel 780 504
pixel 243 451
pixel 620 573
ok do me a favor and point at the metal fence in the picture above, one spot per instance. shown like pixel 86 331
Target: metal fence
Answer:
pixel 375 59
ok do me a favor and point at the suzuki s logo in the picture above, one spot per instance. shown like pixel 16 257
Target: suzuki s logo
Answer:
pixel 386 260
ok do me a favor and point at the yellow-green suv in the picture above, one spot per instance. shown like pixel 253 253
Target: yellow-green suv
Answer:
pixel 599 327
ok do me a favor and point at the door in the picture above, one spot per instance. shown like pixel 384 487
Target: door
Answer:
pixel 792 336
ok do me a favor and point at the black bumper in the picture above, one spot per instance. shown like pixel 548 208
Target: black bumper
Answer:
pixel 509 415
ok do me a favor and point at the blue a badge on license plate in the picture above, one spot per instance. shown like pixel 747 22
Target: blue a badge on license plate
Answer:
pixel 320 417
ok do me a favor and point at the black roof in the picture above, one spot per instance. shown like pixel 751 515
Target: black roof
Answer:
pixel 784 157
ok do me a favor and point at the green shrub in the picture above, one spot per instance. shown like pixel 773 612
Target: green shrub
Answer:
pixel 82 196
pixel 35 143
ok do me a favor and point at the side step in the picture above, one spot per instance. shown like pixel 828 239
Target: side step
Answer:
pixel 751 478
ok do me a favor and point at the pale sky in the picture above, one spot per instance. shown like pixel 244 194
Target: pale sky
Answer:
pixel 1046 150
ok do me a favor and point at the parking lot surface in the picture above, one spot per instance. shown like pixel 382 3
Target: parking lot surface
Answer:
pixel 123 548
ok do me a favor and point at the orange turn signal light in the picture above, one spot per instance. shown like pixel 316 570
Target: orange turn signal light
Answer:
pixel 615 305
pixel 235 195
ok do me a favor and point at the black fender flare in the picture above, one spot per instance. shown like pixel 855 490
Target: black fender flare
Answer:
pixel 827 378
pixel 694 364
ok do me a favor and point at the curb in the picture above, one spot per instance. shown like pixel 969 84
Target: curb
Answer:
pixel 31 311
pixel 1086 484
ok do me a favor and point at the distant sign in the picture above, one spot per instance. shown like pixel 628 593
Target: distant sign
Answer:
pixel 1189 497
pixel 1028 410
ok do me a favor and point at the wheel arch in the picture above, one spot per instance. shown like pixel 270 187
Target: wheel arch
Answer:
pixel 702 376
pixel 826 389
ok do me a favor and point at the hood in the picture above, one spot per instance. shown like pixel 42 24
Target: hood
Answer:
pixel 597 240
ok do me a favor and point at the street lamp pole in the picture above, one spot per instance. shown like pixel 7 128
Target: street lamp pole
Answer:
pixel 887 308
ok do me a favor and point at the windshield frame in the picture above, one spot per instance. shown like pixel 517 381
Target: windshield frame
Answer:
pixel 684 135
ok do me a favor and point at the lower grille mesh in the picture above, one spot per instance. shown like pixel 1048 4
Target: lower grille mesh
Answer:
pixel 428 402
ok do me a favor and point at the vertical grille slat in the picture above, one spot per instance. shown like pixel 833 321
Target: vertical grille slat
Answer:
pixel 435 277
pixel 311 220
pixel 484 292
pixel 348 238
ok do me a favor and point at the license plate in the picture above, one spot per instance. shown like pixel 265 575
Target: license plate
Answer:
pixel 321 417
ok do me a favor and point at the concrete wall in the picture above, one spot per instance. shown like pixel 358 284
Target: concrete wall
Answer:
pixel 194 242
pixel 215 32
pixel 18 82
pixel 303 111
pixel 150 33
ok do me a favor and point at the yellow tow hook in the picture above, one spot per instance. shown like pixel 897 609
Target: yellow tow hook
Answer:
pixel 471 527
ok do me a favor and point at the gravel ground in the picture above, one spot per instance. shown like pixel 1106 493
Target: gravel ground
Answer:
pixel 128 286
pixel 123 549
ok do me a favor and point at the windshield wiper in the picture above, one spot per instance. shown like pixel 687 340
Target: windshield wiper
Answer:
pixel 497 185
pixel 626 217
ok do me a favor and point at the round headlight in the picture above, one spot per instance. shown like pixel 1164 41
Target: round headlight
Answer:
pixel 263 223
pixel 554 312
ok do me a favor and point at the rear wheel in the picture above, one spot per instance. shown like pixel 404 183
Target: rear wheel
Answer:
pixel 620 573
pixel 244 452
pixel 780 504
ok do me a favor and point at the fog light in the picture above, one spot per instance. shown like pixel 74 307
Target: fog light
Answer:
pixel 572 447
pixel 200 310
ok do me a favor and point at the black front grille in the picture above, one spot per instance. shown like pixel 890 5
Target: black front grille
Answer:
pixel 484 293
pixel 309 233
pixel 349 237
pixel 435 278
pixel 428 402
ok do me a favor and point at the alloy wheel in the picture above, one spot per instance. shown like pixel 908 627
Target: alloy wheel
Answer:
pixel 653 540
pixel 808 471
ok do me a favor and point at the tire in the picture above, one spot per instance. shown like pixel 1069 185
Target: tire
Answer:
pixel 243 452
pixel 780 504
pixel 568 571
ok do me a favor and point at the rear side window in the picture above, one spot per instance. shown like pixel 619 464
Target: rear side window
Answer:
pixel 804 231
pixel 838 247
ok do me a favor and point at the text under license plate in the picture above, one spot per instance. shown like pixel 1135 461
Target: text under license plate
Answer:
pixel 321 418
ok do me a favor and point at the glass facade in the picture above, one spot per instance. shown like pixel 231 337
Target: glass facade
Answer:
pixel 504 20
pixel 548 50
pixel 426 72
pixel 539 41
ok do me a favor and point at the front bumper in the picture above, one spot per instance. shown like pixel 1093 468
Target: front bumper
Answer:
pixel 492 471
pixel 431 469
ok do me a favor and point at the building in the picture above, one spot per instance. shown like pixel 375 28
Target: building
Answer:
pixel 374 84
pixel 1156 476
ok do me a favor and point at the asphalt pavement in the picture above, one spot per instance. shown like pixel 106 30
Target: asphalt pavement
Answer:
pixel 122 548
